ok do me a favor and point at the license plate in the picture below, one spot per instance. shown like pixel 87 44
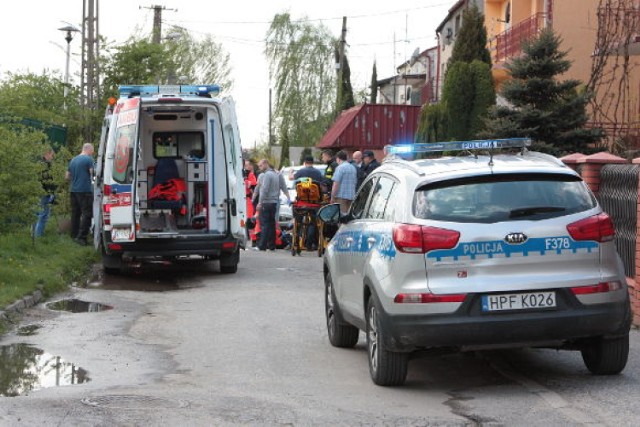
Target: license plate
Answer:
pixel 525 301
pixel 120 234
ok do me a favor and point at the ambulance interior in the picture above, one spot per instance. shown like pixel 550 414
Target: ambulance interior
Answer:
pixel 172 184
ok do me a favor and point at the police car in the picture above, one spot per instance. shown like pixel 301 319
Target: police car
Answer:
pixel 481 251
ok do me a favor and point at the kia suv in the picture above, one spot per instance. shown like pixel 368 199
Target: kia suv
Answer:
pixel 475 252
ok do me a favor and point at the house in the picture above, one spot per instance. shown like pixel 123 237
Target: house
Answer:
pixel 597 34
pixel 371 127
pixel 446 33
pixel 414 83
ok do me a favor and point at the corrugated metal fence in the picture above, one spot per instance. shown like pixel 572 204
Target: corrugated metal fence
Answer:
pixel 618 196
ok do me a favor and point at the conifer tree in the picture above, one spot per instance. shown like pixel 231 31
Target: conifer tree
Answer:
pixel 550 111
pixel 374 85
pixel 471 41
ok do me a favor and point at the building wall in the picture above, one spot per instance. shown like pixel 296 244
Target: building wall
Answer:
pixel 576 22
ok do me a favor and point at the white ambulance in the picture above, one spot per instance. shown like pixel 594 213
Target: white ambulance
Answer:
pixel 169 178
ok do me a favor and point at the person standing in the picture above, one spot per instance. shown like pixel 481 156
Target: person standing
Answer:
pixel 369 162
pixel 268 197
pixel 250 183
pixel 356 160
pixel 330 161
pixel 79 173
pixel 345 178
pixel 49 188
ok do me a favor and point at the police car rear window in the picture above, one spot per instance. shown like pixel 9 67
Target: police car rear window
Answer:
pixel 505 197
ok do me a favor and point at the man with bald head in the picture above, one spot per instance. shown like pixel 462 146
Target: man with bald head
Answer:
pixel 79 173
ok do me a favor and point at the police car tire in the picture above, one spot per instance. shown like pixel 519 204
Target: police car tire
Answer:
pixel 341 334
pixel 606 356
pixel 387 368
pixel 229 263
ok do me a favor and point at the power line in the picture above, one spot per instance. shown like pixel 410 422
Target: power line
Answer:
pixel 371 15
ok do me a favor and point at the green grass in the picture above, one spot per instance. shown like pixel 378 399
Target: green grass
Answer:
pixel 50 263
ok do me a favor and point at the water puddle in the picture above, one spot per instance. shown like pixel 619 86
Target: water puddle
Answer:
pixel 28 330
pixel 77 306
pixel 24 368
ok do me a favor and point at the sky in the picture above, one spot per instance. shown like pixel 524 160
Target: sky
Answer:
pixel 31 41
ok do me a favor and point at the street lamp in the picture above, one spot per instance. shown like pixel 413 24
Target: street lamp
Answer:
pixel 70 29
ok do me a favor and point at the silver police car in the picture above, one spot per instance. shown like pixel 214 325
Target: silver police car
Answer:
pixel 476 252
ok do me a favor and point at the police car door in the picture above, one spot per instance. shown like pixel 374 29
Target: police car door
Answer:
pixel 236 208
pixel 352 248
pixel 121 152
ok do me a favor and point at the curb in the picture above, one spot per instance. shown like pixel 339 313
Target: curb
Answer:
pixel 18 306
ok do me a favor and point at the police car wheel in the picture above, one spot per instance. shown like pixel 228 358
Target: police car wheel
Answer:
pixel 387 368
pixel 340 333
pixel 606 356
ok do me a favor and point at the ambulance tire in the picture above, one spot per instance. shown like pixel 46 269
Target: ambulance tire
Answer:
pixel 112 263
pixel 229 263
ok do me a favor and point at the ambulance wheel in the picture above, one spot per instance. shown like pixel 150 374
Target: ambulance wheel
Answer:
pixel 111 263
pixel 229 263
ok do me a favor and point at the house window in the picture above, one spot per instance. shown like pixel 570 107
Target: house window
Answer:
pixel 408 94
pixel 457 24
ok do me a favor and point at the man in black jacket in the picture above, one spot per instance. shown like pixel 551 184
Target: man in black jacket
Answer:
pixel 369 162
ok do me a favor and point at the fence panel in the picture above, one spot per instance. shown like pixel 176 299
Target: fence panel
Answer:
pixel 618 196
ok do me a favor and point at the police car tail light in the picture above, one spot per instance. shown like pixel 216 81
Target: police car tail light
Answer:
pixel 419 239
pixel 428 298
pixel 598 227
pixel 596 289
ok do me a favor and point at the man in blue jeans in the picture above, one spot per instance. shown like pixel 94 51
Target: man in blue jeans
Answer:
pixel 268 199
pixel 49 188
pixel 79 174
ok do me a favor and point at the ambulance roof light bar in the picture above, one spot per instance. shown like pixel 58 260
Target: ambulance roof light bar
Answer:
pixel 173 90
pixel 483 144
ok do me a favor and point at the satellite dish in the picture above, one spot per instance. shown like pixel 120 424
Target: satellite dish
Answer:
pixel 414 56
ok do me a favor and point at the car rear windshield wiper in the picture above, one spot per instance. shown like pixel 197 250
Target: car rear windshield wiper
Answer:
pixel 515 213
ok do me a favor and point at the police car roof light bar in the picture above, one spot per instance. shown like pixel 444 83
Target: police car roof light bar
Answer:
pixel 176 90
pixel 483 144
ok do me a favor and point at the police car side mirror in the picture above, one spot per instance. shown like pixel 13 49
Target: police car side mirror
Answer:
pixel 330 214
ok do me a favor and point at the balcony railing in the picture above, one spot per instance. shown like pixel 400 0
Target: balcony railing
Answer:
pixel 509 43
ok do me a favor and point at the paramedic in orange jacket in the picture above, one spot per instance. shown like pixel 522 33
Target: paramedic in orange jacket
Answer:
pixel 250 183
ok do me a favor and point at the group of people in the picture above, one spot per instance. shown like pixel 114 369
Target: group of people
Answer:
pixel 79 174
pixel 341 180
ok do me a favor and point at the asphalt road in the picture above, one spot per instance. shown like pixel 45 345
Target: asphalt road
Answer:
pixel 185 345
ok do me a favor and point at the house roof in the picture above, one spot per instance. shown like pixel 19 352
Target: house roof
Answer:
pixel 452 11
pixel 372 126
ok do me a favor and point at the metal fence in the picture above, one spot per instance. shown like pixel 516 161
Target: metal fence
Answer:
pixel 618 196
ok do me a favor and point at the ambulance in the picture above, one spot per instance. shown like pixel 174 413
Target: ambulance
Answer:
pixel 169 181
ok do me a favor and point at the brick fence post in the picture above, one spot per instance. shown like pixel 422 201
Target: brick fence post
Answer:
pixel 572 160
pixel 592 166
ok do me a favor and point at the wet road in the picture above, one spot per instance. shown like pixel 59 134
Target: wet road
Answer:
pixel 184 345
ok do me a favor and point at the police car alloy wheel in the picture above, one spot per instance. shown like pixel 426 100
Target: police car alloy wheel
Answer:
pixel 340 334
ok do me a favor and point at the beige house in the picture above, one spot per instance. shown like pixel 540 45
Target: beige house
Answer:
pixel 598 35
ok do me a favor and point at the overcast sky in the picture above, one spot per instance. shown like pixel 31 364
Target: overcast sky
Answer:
pixel 31 41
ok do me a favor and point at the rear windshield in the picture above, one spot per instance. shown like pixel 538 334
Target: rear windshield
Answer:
pixel 495 198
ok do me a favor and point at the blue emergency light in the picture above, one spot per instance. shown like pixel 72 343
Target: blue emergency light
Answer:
pixel 483 144
pixel 174 90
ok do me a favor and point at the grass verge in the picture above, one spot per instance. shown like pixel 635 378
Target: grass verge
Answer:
pixel 51 263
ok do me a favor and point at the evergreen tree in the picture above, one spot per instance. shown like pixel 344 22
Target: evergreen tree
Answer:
pixel 471 41
pixel 550 111
pixel 373 98
pixel 345 94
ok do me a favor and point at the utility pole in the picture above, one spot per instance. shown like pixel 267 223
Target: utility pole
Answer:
pixel 89 80
pixel 157 21
pixel 340 65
